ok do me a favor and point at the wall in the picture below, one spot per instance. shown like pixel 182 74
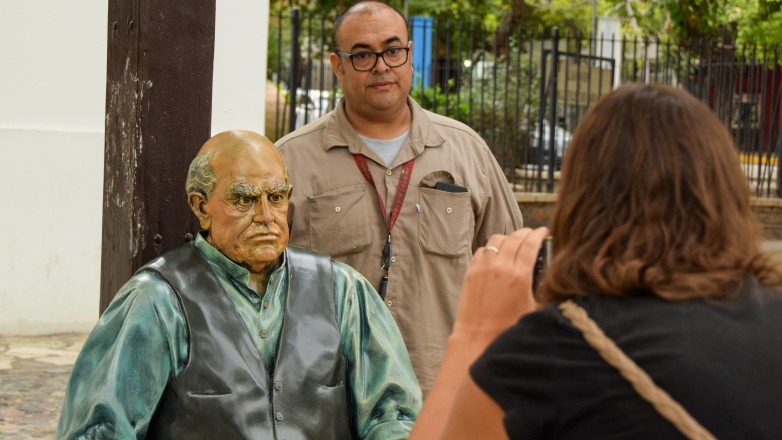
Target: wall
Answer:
pixel 51 141
pixel 769 214
pixel 52 106
pixel 239 83
pixel 538 207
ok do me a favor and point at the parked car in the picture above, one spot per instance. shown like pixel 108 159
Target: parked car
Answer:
pixel 539 152
pixel 311 104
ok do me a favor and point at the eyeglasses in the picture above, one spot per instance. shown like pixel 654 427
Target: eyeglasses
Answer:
pixel 364 61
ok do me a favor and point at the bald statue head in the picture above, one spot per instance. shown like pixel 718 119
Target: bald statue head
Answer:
pixel 238 188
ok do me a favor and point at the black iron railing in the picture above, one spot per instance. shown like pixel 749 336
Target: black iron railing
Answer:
pixel 524 92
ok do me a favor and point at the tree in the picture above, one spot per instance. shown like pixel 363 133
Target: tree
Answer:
pixel 747 22
pixel 756 21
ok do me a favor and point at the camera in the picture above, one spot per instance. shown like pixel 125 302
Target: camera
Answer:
pixel 542 262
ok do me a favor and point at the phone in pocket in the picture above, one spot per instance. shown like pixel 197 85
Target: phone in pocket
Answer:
pixel 449 187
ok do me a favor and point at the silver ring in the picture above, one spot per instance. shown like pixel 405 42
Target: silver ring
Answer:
pixel 492 248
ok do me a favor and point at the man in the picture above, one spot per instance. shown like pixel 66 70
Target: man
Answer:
pixel 403 195
pixel 238 335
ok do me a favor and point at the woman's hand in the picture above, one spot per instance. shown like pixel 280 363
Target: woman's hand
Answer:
pixel 497 288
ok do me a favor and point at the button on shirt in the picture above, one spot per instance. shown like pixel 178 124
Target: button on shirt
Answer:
pixel 140 343
pixel 261 314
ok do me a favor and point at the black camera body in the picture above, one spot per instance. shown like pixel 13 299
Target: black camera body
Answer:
pixel 542 262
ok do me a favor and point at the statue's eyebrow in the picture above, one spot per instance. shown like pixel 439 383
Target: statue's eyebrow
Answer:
pixel 278 188
pixel 240 189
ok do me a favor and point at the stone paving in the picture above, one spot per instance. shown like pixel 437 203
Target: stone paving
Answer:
pixel 33 374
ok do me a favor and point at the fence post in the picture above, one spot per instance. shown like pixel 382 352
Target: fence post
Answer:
pixel 541 118
pixel 779 150
pixel 552 129
pixel 293 83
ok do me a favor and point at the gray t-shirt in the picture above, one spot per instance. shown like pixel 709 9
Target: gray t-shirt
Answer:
pixel 387 149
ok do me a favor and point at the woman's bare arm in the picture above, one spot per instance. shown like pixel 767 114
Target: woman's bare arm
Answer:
pixel 497 291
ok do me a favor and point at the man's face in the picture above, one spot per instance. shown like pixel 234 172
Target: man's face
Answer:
pixel 247 212
pixel 382 88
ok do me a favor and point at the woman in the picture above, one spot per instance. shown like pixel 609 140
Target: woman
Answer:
pixel 654 238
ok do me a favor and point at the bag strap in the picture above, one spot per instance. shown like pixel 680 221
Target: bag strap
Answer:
pixel 670 409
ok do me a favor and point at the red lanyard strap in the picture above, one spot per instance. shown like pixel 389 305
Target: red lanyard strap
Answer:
pixel 399 198
pixel 401 189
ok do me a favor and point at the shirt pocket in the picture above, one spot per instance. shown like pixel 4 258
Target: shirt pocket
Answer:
pixel 338 220
pixel 445 222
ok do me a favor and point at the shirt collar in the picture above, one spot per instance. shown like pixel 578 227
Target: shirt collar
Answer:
pixel 223 264
pixel 339 132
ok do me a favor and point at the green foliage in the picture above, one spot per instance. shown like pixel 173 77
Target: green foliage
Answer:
pixel 453 104
pixel 748 22
pixel 756 22
pixel 495 98
pixel 489 12
pixel 575 16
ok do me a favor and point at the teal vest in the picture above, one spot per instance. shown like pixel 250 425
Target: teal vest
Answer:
pixel 225 392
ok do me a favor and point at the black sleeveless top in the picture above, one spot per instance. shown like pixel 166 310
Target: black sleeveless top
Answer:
pixel 721 359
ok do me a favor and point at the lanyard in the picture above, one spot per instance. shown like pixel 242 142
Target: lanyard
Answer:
pixel 401 190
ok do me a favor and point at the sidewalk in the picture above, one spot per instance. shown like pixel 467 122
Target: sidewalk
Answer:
pixel 33 373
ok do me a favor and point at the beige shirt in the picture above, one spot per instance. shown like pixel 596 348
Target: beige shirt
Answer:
pixel 336 211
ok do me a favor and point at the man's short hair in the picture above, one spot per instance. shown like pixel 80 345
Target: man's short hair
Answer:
pixel 201 178
pixel 365 7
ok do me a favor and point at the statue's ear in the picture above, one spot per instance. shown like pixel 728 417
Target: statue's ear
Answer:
pixel 197 204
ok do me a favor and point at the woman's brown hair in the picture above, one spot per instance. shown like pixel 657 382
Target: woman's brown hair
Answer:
pixel 653 201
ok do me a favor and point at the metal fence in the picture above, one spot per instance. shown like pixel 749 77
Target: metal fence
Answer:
pixel 525 92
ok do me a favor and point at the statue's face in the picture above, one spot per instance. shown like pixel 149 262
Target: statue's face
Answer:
pixel 246 216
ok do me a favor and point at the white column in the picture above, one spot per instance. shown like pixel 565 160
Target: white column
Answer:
pixel 239 85
pixel 52 106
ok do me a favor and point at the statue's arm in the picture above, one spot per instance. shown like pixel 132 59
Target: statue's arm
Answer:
pixel 137 346
pixel 384 387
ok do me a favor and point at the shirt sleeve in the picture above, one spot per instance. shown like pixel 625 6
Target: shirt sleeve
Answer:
pixel 385 392
pixel 501 213
pixel 137 346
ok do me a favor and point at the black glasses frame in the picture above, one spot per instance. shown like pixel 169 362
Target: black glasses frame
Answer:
pixel 377 55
